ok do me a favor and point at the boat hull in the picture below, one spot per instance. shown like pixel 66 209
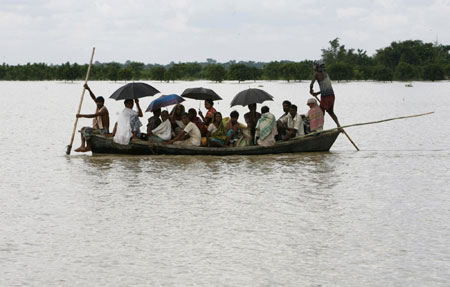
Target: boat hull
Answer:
pixel 310 143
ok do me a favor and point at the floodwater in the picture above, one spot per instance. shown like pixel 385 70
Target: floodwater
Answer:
pixel 377 217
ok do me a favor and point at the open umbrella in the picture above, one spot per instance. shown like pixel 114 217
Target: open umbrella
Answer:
pixel 201 93
pixel 133 91
pixel 164 101
pixel 250 96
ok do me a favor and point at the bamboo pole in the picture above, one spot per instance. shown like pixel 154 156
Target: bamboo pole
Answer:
pixel 371 123
pixel 69 147
pixel 341 128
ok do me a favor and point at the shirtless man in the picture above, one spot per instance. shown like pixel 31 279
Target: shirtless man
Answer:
pixel 100 123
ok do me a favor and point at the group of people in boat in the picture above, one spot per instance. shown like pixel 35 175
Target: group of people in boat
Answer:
pixel 183 127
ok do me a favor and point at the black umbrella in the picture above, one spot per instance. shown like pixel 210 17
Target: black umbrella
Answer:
pixel 251 96
pixel 201 93
pixel 133 91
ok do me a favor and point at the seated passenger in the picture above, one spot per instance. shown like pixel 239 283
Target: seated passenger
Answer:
pixel 128 125
pixel 175 119
pixel 266 128
pixel 208 118
pixel 198 122
pixel 294 124
pixel 154 121
pixel 189 136
pixel 163 132
pixel 281 122
pixel 315 116
pixel 216 132
pixel 233 128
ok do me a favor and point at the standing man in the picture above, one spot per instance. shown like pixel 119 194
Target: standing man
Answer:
pixel 100 122
pixel 326 90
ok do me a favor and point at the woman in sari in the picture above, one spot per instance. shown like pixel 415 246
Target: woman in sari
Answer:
pixel 216 132
pixel 175 118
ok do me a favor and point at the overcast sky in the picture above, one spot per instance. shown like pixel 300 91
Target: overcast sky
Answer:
pixel 157 31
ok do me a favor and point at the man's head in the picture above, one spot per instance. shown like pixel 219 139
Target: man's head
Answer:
pixel 264 109
pixel 234 115
pixel 252 107
pixel 286 106
pixel 164 115
pixel 208 104
pixel 128 103
pixel 319 66
pixel 311 103
pixel 192 113
pixel 185 118
pixel 157 113
pixel 293 110
pixel 100 101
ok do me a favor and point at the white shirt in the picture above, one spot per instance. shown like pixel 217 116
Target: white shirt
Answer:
pixel 295 122
pixel 163 131
pixel 123 131
pixel 195 137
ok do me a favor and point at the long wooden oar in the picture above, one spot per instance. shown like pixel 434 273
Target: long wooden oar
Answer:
pixel 69 147
pixel 345 133
pixel 369 123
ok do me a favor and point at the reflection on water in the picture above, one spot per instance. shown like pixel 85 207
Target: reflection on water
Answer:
pixel 371 218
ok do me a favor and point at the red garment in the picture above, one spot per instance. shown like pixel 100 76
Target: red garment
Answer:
pixel 315 119
pixel 210 113
pixel 327 103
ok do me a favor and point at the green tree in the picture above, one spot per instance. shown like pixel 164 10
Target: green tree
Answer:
pixel 447 70
pixel 112 71
pixel 255 73
pixel 173 73
pixel 271 71
pixel 405 72
pixel 157 73
pixel 340 71
pixel 215 72
pixel 126 73
pixel 433 72
pixel 382 73
pixel 239 72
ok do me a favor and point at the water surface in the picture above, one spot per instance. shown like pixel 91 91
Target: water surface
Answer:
pixel 342 218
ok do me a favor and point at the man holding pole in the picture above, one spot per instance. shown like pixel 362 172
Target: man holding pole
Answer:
pixel 326 94
pixel 326 90
pixel 100 122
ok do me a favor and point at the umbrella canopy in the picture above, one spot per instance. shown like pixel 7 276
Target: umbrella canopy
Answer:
pixel 201 93
pixel 164 101
pixel 251 96
pixel 133 91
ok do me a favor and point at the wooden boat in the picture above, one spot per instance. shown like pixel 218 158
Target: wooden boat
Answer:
pixel 315 142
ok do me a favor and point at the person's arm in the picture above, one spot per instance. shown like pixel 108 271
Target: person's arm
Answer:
pixel 140 114
pixel 101 112
pixel 201 115
pixel 311 86
pixel 90 92
pixel 177 138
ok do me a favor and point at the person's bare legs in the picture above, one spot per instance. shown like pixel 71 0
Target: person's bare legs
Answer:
pixel 82 147
pixel 334 117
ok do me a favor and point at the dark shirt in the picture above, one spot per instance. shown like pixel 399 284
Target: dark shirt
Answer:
pixel 251 119
pixel 153 123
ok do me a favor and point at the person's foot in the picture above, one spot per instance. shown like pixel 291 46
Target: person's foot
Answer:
pixel 80 149
pixel 86 149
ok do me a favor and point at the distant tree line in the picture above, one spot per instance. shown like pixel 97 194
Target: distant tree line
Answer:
pixel 403 61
